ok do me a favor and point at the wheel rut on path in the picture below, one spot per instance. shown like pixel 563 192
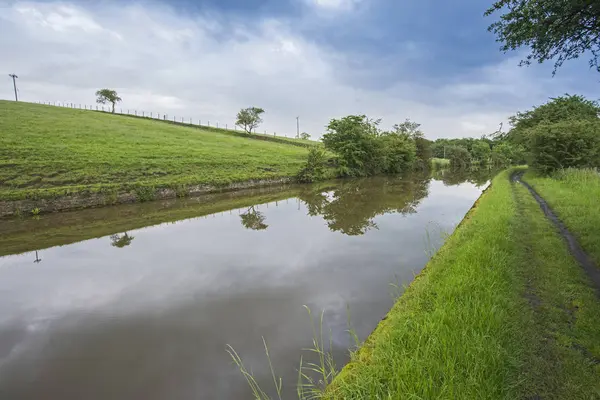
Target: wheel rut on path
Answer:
pixel 584 260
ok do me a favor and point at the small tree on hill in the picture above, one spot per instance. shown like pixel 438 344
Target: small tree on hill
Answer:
pixel 104 96
pixel 304 136
pixel 249 118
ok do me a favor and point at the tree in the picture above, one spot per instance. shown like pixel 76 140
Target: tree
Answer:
pixel 565 144
pixel 254 220
pixel 304 136
pixel 410 128
pixel 563 108
pixel 481 151
pixel 459 157
pixel 104 96
pixel 558 30
pixel 121 241
pixel 354 140
pixel 249 118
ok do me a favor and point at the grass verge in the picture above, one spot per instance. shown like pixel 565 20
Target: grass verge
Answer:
pixel 501 312
pixel 573 194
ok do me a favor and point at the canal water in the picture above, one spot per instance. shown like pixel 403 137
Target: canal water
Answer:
pixel 141 301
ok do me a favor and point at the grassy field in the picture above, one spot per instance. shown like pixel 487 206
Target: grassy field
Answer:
pixel 574 195
pixel 48 151
pixel 501 312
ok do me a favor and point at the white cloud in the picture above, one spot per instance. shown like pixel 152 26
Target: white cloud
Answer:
pixel 333 4
pixel 195 66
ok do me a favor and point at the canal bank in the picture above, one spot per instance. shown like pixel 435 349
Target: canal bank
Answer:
pixel 502 311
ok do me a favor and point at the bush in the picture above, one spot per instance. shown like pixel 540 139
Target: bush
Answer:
pixel 567 144
pixel 314 170
pixel 459 157
pixel 354 140
pixel 398 152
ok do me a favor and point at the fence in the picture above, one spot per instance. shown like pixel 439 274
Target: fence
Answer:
pixel 173 120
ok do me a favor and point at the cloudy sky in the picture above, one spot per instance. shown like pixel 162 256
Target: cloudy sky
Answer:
pixel 427 60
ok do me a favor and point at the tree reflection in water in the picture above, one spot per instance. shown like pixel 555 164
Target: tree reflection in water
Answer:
pixel 253 219
pixel 350 206
pixel 121 240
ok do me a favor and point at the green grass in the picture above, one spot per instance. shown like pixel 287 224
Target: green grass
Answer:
pixel 48 151
pixel 501 312
pixel 574 196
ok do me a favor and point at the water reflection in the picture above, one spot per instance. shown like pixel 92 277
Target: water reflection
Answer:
pixel 351 206
pixel 253 219
pixel 121 240
pixel 152 322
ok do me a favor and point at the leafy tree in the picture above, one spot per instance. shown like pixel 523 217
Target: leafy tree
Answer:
pixel 354 140
pixel 567 107
pixel 253 219
pixel 121 241
pixel 249 118
pixel 565 144
pixel 481 151
pixel 304 136
pixel 410 128
pixel 459 157
pixel 558 30
pixel 104 96
pixel 398 152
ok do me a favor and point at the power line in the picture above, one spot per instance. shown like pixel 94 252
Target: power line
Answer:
pixel 14 77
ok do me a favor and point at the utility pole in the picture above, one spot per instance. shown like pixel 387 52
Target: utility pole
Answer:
pixel 14 77
pixel 297 127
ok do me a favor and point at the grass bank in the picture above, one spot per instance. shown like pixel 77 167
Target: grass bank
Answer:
pixel 501 312
pixel 574 194
pixel 48 152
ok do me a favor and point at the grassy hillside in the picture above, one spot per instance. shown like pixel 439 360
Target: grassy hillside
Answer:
pixel 47 151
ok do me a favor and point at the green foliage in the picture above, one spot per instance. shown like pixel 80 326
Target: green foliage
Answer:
pixel 121 240
pixel 114 153
pixel 314 170
pixel 363 149
pixel 249 118
pixel 104 96
pixel 35 211
pixel 424 151
pixel 253 219
pixel 559 30
pixel 506 153
pixel 144 193
pixel 565 144
pixel 304 136
pixel 398 152
pixel 459 157
pixel 563 108
pixel 481 151
pixel 354 140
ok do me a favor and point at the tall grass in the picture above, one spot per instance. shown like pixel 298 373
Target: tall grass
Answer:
pixel 314 377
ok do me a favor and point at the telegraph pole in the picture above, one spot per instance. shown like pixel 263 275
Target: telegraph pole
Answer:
pixel 14 77
pixel 297 127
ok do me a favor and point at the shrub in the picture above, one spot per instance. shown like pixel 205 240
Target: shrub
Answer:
pixel 565 144
pixel 399 153
pixel 314 170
